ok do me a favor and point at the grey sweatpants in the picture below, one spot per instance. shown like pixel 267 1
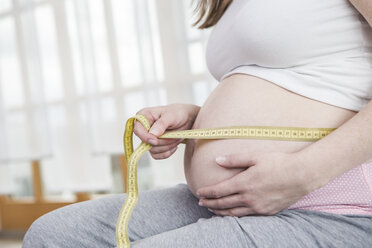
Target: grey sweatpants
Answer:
pixel 172 218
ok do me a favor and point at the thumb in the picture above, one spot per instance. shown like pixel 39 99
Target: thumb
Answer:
pixel 159 126
pixel 239 160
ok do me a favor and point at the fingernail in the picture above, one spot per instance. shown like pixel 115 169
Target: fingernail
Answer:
pixel 155 132
pixel 200 203
pixel 221 160
pixel 210 210
pixel 152 142
pixel 174 149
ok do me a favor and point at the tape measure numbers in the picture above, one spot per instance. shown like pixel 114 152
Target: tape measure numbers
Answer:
pixel 237 132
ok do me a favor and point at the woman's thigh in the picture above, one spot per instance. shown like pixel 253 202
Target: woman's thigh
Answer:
pixel 290 228
pixel 93 223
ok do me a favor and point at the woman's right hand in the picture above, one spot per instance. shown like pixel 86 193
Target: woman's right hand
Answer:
pixel 165 118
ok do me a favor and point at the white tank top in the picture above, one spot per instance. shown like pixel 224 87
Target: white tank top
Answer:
pixel 321 49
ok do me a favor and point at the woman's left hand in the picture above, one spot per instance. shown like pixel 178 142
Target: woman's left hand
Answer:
pixel 272 182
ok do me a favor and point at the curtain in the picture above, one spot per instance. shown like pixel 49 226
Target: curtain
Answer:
pixel 73 71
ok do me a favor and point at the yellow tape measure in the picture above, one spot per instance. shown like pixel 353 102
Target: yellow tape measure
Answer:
pixel 239 132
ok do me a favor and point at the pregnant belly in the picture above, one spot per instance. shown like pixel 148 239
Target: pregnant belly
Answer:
pixel 244 100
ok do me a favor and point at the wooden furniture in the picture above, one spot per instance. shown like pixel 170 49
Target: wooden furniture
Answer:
pixel 18 215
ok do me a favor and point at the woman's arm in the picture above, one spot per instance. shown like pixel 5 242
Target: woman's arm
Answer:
pixel 343 149
pixel 365 8
pixel 348 146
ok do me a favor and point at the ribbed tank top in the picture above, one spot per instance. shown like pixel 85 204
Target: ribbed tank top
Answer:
pixel 318 49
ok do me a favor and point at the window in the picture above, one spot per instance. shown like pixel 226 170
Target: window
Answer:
pixel 72 72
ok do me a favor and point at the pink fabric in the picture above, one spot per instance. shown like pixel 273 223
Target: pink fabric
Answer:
pixel 350 193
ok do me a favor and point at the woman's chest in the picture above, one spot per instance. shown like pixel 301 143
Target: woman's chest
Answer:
pixel 281 34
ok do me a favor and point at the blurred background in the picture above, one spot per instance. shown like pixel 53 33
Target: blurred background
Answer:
pixel 71 73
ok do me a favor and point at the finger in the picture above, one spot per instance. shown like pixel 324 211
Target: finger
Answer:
pixel 149 138
pixel 164 155
pixel 239 160
pixel 151 113
pixel 160 125
pixel 228 187
pixel 144 135
pixel 161 149
pixel 226 202
pixel 238 211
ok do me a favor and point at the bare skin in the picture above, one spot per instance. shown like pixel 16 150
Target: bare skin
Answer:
pixel 244 100
pixel 272 181
pixel 262 177
pixel 259 176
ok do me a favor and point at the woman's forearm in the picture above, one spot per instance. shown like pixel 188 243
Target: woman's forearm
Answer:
pixel 345 148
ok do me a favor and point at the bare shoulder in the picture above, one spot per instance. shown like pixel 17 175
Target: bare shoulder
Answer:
pixel 365 8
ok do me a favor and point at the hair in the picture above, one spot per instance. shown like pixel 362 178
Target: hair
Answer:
pixel 209 12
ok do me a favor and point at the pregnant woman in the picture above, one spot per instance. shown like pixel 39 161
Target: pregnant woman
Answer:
pixel 280 63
